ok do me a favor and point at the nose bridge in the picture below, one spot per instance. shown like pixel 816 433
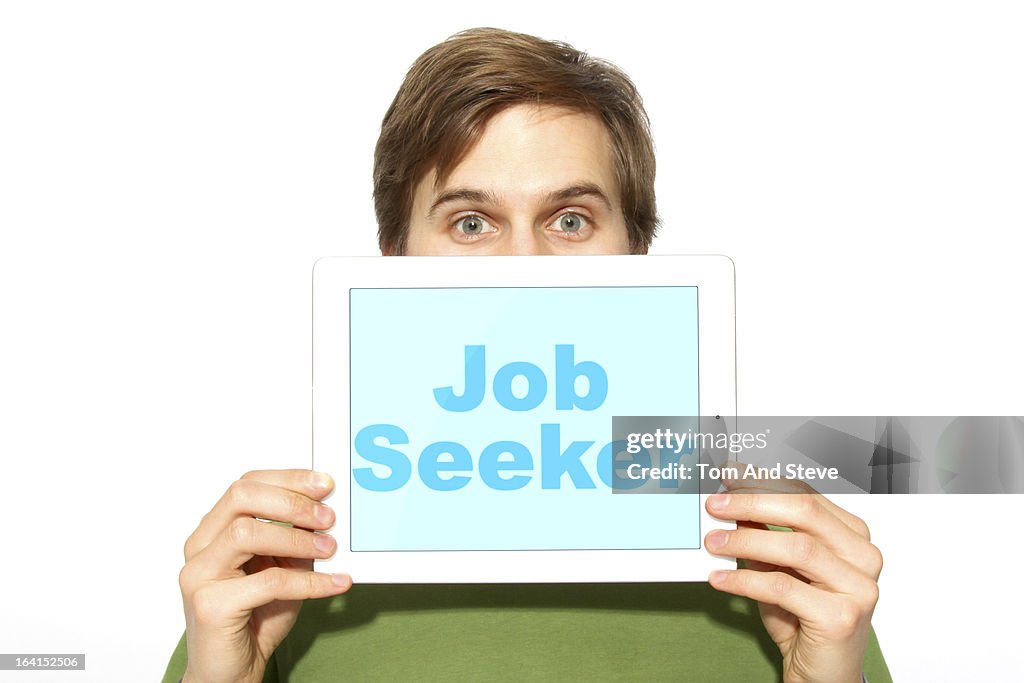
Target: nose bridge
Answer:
pixel 523 238
pixel 523 241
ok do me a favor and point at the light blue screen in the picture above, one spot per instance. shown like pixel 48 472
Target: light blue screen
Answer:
pixel 405 343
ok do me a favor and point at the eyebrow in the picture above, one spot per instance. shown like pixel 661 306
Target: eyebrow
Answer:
pixel 463 194
pixel 485 197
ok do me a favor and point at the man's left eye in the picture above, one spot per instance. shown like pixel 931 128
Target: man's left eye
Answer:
pixel 570 222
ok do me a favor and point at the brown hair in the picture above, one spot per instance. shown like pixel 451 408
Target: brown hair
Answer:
pixel 455 87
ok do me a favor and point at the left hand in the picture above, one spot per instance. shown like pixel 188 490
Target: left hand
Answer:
pixel 816 586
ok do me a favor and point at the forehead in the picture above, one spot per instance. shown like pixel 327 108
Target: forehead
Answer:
pixel 527 151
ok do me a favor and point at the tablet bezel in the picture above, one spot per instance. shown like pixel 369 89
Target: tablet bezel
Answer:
pixel 333 277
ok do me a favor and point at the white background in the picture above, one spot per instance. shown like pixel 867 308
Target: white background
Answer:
pixel 169 173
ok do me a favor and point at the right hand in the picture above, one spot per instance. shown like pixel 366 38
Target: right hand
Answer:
pixel 244 580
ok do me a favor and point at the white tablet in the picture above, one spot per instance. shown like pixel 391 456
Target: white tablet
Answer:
pixel 464 406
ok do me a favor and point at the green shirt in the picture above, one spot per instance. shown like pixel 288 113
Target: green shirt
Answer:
pixel 553 632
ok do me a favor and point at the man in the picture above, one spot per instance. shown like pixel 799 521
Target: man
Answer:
pixel 501 143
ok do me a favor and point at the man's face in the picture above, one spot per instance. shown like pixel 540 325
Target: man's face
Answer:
pixel 539 181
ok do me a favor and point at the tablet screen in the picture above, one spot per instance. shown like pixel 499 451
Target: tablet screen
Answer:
pixel 481 417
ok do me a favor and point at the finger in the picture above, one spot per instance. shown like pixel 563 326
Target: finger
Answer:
pixel 219 602
pixel 756 484
pixel 852 521
pixel 774 588
pixel 761 566
pixel 799 551
pixel 246 538
pixel 767 567
pixel 290 496
pixel 803 513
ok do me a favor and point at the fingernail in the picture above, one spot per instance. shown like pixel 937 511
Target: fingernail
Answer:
pixel 718 501
pixel 324 515
pixel 341 580
pixel 716 540
pixel 323 543
pixel 321 481
pixel 718 576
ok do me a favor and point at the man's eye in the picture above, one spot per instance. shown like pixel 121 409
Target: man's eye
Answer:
pixel 570 222
pixel 474 225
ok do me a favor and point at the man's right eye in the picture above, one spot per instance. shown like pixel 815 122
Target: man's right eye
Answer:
pixel 472 226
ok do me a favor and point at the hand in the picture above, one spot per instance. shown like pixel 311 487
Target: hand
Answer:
pixel 244 580
pixel 816 586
